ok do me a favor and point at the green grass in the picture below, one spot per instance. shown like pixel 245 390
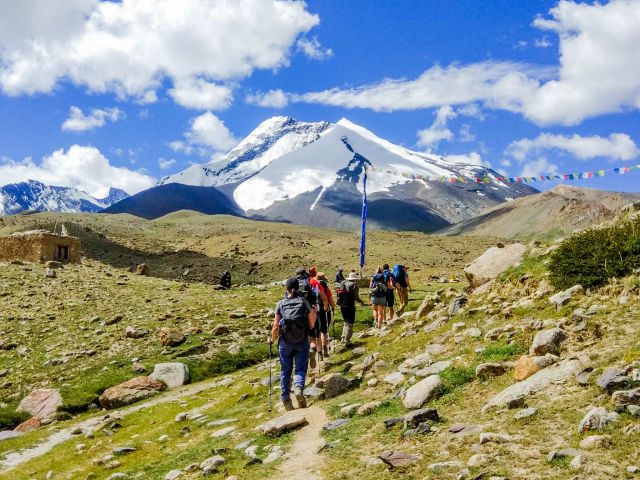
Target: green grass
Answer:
pixel 530 264
pixel 501 352
pixel 10 419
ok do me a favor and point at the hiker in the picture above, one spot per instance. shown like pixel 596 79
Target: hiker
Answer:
pixel 293 320
pixel 322 304
pixel 403 286
pixel 391 281
pixel 225 280
pixel 378 293
pixel 323 327
pixel 347 295
pixel 339 276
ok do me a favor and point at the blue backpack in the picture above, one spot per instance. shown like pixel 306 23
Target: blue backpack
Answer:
pixel 399 274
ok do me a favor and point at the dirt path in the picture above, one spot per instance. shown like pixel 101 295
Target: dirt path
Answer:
pixel 303 462
pixel 14 459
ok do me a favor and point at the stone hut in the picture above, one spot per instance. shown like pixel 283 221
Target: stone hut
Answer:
pixel 40 246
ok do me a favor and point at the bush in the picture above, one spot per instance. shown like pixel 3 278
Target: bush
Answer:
pixel 10 419
pixel 592 257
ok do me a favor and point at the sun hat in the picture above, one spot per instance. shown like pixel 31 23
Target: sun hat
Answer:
pixel 353 276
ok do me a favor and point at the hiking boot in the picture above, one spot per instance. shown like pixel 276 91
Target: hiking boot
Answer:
pixel 325 352
pixel 320 357
pixel 299 394
pixel 288 404
pixel 312 358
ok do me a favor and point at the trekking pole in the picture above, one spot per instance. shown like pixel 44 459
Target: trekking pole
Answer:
pixel 270 377
pixel 334 329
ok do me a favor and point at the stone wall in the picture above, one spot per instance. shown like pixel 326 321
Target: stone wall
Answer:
pixel 40 246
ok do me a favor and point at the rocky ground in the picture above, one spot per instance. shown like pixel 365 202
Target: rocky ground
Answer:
pixel 513 380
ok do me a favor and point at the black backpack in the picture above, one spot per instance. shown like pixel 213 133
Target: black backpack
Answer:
pixel 294 324
pixel 379 287
pixel 305 291
pixel 346 294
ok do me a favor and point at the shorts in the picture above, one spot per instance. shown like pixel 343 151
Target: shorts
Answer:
pixel 379 301
pixel 322 325
pixel 391 298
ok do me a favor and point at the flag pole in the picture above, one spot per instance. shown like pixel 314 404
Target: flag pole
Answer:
pixel 364 221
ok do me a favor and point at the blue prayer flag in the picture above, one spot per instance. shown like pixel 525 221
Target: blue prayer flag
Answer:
pixel 364 220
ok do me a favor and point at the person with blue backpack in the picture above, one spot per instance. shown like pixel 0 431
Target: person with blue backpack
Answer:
pixel 403 286
pixel 378 289
pixel 294 319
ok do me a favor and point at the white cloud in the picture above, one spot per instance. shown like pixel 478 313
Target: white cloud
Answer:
pixel 208 133
pixel 598 72
pixel 81 167
pixel 473 158
pixel 130 47
pixel 272 99
pixel 465 134
pixel 312 49
pixel 79 122
pixel 165 164
pixel 199 94
pixel 430 137
pixel 471 110
pixel 539 167
pixel 505 162
pixel 618 146
pixel 542 43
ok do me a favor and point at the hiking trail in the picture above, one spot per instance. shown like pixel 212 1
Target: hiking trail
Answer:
pixel 303 461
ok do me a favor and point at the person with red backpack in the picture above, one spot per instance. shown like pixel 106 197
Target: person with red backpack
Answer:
pixel 348 294
pixel 324 322
pixel 391 282
pixel 294 319
pixel 322 304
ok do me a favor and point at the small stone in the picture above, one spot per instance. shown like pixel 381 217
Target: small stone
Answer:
pixel 367 408
pixel 420 393
pixel 626 397
pixel 579 462
pixel 547 341
pixel 526 413
pixel 273 456
pixel 170 337
pixel 394 379
pixel 337 423
pixel 487 370
pixel 222 432
pixel 613 379
pixel 123 450
pixel 349 410
pixel 597 419
pixel 279 425
pixel 397 459
pixel 173 474
pixel 594 441
pixel 208 466
pixel 632 469
pixel 138 368
pixel 181 417
pixel 478 460
pixel 494 438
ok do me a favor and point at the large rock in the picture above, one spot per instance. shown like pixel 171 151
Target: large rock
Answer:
pixel 557 373
pixel 335 385
pixel 626 397
pixel 170 337
pixel 171 374
pixel 416 417
pixel 597 419
pixel 547 341
pixel 492 263
pixel 428 304
pixel 397 459
pixel 286 422
pixel 421 392
pixel 560 299
pixel 28 426
pixel 528 365
pixel 612 379
pixel 434 368
pixel 42 403
pixel 131 391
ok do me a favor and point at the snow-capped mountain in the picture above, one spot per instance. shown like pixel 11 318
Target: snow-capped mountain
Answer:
pixel 312 173
pixel 34 195
pixel 273 138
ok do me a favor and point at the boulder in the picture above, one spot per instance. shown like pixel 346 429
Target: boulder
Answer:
pixel 415 418
pixel 208 466
pixel 547 341
pixel 428 304
pixel 613 379
pixel 486 370
pixel 220 330
pixel 367 408
pixel 433 369
pixel 171 374
pixel 626 397
pixel 131 391
pixel 132 332
pixel 41 404
pixel 113 320
pixel 597 419
pixel 170 337
pixel 28 426
pixel 494 438
pixel 394 379
pixel 335 385
pixel 492 263
pixel 526 413
pixel 537 382
pixel 560 299
pixel 528 365
pixel 138 368
pixel 421 392
pixel 394 458
pixel 286 422
pixel 594 441
pixel 142 269
pixel 340 422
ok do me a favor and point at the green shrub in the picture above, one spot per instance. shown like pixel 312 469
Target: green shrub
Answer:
pixel 592 257
pixel 453 378
pixel 10 419
pixel 77 397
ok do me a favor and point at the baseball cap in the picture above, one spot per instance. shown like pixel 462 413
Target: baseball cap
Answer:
pixel 291 283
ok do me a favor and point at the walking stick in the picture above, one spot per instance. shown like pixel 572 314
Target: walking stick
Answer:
pixel 334 329
pixel 270 377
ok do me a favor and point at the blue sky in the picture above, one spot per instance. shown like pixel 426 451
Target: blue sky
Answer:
pixel 96 94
